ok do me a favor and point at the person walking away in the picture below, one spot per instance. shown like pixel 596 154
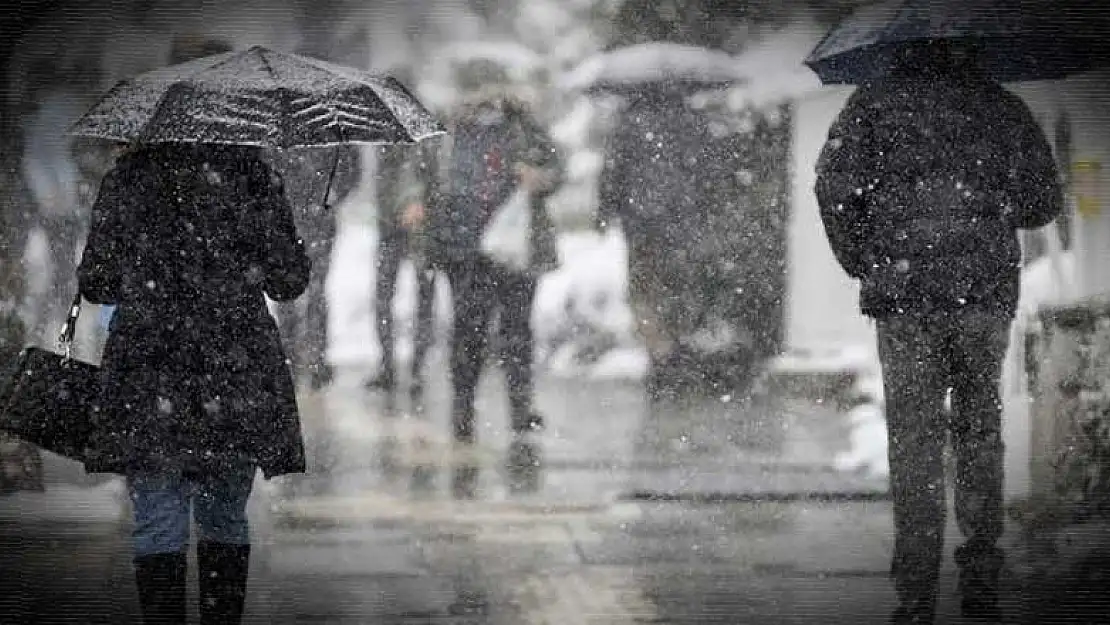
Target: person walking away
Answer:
pixel 196 394
pixel 926 178
pixel 405 182
pixel 496 144
pixel 653 183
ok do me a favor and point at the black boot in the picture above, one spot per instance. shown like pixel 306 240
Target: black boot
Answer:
pixel 980 569
pixel 917 600
pixel 160 579
pixel 383 381
pixel 222 572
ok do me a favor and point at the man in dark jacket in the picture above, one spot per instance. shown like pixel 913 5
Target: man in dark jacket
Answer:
pixel 926 178
pixel 404 185
pixel 496 144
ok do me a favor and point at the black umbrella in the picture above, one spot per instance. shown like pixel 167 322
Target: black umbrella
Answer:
pixel 259 97
pixel 1016 40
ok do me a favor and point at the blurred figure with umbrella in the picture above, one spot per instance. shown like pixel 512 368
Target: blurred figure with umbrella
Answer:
pixel 190 230
pixel 927 176
pixel 667 174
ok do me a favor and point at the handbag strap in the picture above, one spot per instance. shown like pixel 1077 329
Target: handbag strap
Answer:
pixel 69 329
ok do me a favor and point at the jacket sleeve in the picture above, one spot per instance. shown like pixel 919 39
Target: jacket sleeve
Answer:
pixel 543 152
pixel 1033 195
pixel 391 168
pixel 845 183
pixel 100 274
pixel 282 258
pixel 427 171
pixel 610 192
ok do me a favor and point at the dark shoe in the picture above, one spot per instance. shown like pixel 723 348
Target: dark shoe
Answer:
pixel 917 602
pixel 530 423
pixel 416 388
pixel 524 464
pixel 913 614
pixel 462 426
pixel 222 582
pixel 320 375
pixel 464 481
pixel 384 381
pixel 160 580
pixel 980 569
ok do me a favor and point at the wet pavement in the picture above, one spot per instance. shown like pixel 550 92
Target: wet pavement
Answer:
pixel 714 511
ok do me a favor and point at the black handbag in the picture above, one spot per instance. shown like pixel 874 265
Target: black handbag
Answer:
pixel 50 398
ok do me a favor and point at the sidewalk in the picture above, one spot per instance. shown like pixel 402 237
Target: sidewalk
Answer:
pixel 375 533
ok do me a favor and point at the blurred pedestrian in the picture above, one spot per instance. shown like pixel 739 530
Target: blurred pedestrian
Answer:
pixel 304 323
pixel 656 181
pixel 926 178
pixel 496 145
pixel 196 394
pixel 405 184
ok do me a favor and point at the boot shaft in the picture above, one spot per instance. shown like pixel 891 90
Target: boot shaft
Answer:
pixel 222 571
pixel 160 580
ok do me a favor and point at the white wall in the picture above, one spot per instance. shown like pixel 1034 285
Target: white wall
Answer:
pixel 822 301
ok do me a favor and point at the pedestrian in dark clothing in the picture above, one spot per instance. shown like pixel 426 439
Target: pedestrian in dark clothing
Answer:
pixel 405 182
pixel 663 177
pixel 495 145
pixel 304 323
pixel 196 395
pixel 926 178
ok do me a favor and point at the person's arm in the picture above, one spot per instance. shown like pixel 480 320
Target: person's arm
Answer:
pixel 543 163
pixel 1033 195
pixel 845 176
pixel 611 190
pixel 99 274
pixel 281 259
pixel 389 179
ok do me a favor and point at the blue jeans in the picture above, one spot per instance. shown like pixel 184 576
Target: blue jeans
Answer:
pixel 162 502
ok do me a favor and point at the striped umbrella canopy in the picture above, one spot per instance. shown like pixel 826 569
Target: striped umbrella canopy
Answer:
pixel 259 97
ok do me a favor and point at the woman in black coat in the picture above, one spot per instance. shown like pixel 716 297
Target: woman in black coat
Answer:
pixel 196 394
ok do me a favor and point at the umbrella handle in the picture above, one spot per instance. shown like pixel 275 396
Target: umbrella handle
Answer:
pixel 331 176
pixel 69 329
pixel 334 161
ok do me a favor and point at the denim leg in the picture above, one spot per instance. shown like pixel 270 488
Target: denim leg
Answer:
pixel 160 504
pixel 220 506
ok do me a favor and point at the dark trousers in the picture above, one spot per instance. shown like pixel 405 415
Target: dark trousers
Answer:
pixel 923 357
pixel 392 249
pixel 479 288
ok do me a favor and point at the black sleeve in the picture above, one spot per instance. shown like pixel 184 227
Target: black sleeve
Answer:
pixel 846 174
pixel 1033 195
pixel 610 192
pixel 99 274
pixel 542 151
pixel 284 262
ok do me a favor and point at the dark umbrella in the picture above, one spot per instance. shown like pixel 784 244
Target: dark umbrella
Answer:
pixel 259 97
pixel 1014 40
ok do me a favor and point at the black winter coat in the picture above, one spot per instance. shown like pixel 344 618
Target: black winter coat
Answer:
pixel 922 186
pixel 185 242
pixel 464 186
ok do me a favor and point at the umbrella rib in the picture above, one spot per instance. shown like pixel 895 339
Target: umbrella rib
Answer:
pixel 266 64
